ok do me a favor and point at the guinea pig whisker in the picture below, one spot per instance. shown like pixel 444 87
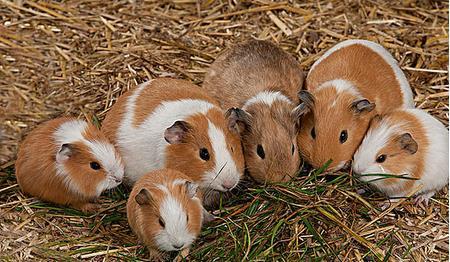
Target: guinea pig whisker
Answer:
pixel 217 175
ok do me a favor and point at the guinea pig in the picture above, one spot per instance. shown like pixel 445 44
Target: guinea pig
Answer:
pixel 263 80
pixel 409 143
pixel 69 162
pixel 164 211
pixel 346 87
pixel 174 124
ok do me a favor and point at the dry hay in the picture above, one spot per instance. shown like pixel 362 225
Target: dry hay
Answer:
pixel 78 57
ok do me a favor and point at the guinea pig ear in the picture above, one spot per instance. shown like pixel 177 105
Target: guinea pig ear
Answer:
pixel 306 105
pixel 407 143
pixel 143 197
pixel 65 152
pixel 191 188
pixel 238 120
pixel 176 134
pixel 361 106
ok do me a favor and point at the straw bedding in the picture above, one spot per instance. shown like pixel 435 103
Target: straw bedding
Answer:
pixel 76 57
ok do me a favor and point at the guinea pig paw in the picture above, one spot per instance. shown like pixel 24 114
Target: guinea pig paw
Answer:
pixel 361 191
pixel 384 205
pixel 87 207
pixel 183 255
pixel 208 217
pixel 423 198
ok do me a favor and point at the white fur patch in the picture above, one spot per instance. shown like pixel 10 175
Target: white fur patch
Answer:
pixel 175 232
pixel 72 131
pixel 373 142
pixel 436 170
pixel 225 171
pixel 341 86
pixel 144 147
pixel 266 97
pixel 380 50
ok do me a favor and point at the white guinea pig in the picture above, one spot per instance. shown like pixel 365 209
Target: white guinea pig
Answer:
pixel 68 161
pixel 164 211
pixel 172 123
pixel 405 142
pixel 347 86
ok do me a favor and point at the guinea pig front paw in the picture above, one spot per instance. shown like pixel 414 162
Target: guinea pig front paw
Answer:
pixel 87 207
pixel 183 255
pixel 423 198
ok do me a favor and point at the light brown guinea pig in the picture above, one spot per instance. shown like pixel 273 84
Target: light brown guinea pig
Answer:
pixel 69 162
pixel 347 86
pixel 263 80
pixel 164 211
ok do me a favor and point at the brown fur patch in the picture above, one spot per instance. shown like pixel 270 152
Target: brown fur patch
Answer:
pixel 250 68
pixel 144 219
pixel 366 69
pixel 166 89
pixel 185 156
pixel 36 171
pixel 328 122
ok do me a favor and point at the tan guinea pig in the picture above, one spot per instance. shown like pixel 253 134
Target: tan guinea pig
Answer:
pixel 406 142
pixel 69 162
pixel 164 211
pixel 174 124
pixel 347 86
pixel 264 81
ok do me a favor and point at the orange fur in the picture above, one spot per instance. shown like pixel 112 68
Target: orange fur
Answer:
pixel 326 145
pixel 366 69
pixel 36 170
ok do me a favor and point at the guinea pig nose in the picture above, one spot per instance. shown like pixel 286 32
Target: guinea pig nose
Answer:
pixel 117 180
pixel 177 246
pixel 228 185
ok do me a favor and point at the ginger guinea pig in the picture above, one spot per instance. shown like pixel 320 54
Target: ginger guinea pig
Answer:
pixel 263 80
pixel 164 211
pixel 346 87
pixel 174 124
pixel 406 142
pixel 69 162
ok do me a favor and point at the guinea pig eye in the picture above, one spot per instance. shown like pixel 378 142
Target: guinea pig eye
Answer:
pixel 313 133
pixel 381 158
pixel 187 218
pixel 293 149
pixel 161 223
pixel 204 154
pixel 343 136
pixel 232 149
pixel 260 151
pixel 95 165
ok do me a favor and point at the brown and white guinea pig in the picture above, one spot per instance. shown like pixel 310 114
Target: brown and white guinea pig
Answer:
pixel 164 211
pixel 68 161
pixel 406 142
pixel 346 87
pixel 264 81
pixel 174 124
